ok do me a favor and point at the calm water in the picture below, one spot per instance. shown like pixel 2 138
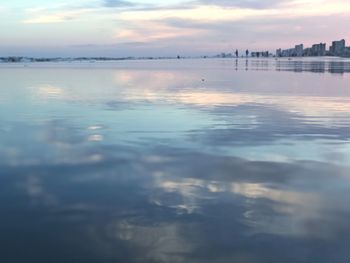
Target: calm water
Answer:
pixel 175 161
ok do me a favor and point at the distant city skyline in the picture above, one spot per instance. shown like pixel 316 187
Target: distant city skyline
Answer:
pixel 121 28
pixel 336 48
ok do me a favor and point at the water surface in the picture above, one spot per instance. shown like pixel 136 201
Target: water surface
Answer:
pixel 175 161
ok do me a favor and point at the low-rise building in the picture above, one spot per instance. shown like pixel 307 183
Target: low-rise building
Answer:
pixel 297 51
pixel 307 52
pixel 346 52
pixel 288 52
pixel 260 54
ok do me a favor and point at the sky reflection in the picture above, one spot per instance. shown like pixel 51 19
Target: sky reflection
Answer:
pixel 198 165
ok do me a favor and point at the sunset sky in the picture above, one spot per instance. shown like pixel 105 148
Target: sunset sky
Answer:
pixel 162 28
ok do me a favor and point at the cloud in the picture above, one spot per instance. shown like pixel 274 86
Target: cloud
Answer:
pixel 196 26
pixel 200 13
pixel 151 31
pixel 57 17
pixel 253 4
pixel 117 3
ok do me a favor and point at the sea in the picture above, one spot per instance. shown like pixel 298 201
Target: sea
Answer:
pixel 182 160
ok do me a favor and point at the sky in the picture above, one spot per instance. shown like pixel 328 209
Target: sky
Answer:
pixel 121 28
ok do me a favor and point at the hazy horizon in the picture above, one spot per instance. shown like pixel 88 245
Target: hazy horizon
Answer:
pixel 118 28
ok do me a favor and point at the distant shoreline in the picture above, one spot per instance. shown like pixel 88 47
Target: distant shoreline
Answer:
pixel 15 59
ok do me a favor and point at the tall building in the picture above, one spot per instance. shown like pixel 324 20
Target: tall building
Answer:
pixel 279 52
pixel 318 49
pixel 337 48
pixel 299 50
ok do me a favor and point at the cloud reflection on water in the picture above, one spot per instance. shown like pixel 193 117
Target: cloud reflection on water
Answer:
pixel 172 202
pixel 156 165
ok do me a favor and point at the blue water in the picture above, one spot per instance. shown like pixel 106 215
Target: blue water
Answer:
pixel 175 161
